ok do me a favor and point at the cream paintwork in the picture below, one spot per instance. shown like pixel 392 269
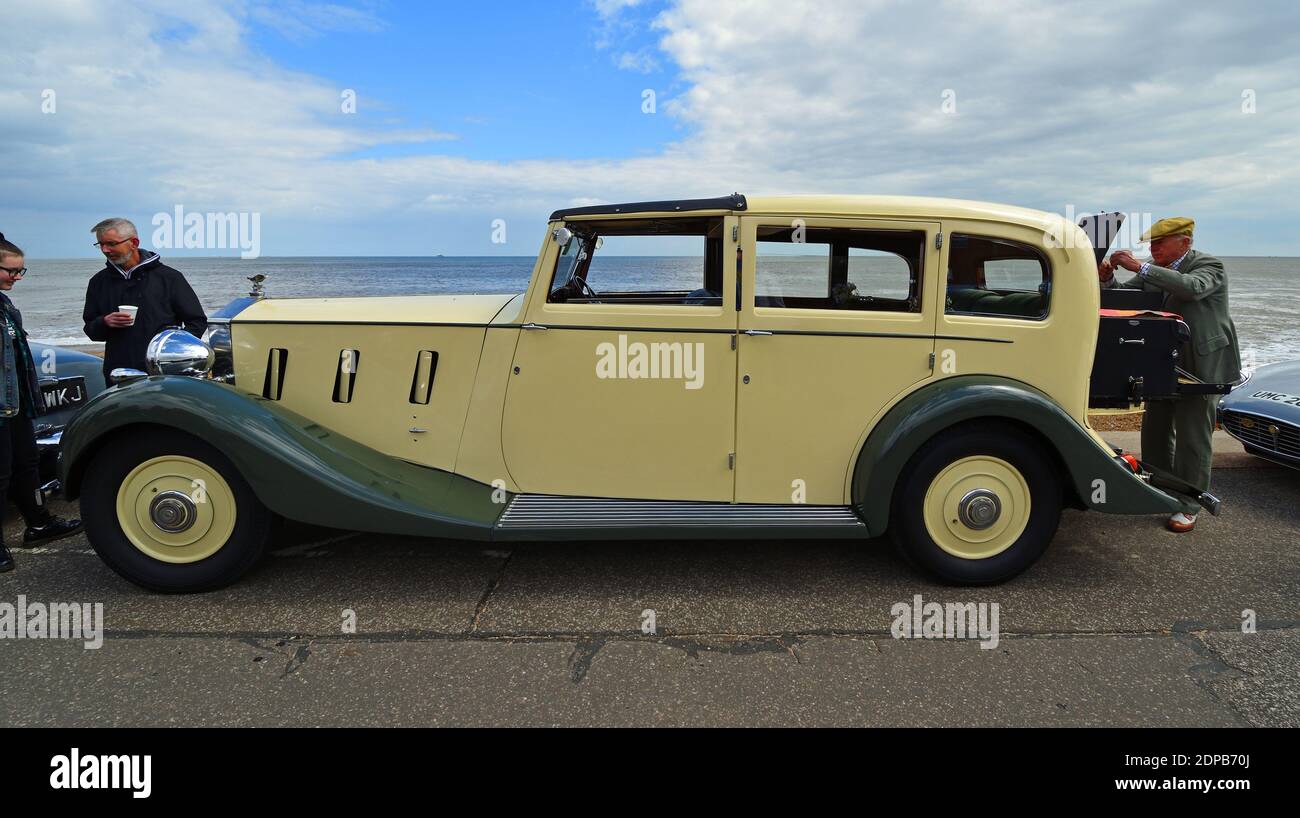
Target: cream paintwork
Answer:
pixel 566 431
pixel 380 414
pixel 1049 354
pixel 808 395
pixel 406 309
pixel 942 505
pixel 214 509
pixel 549 429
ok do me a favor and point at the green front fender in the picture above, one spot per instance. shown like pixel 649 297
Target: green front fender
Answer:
pixel 952 401
pixel 298 468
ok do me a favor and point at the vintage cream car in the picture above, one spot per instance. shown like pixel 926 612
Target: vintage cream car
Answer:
pixel 786 367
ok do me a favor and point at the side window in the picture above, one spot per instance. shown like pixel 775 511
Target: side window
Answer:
pixel 640 261
pixel 838 268
pixel 988 276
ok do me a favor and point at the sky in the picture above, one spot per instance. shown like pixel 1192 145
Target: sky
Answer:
pixel 394 128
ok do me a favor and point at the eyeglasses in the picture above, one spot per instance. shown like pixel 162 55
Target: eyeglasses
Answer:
pixel 102 244
pixel 16 272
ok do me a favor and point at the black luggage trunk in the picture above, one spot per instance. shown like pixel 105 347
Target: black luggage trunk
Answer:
pixel 1137 359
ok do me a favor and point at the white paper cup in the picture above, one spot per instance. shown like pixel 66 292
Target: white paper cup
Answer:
pixel 130 310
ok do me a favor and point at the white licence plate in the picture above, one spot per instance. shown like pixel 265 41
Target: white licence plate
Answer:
pixel 1277 397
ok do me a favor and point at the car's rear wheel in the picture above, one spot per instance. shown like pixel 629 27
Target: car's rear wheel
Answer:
pixel 976 506
pixel 171 513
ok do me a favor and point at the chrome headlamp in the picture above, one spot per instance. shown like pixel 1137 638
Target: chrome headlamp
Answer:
pixel 217 336
pixel 177 352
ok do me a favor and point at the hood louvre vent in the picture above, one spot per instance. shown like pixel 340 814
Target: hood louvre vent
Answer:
pixel 345 378
pixel 277 360
pixel 426 366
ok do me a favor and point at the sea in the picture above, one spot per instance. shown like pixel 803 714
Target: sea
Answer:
pixel 1263 290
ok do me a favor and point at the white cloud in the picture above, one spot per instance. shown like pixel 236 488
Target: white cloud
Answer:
pixel 299 20
pixel 612 8
pixel 640 61
pixel 1056 105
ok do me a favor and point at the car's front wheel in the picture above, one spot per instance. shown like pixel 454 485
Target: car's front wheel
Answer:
pixel 977 506
pixel 171 513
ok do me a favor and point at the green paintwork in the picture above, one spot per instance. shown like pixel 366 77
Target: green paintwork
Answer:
pixel 936 407
pixel 305 472
pixel 298 468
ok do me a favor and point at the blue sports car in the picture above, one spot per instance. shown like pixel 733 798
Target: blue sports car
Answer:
pixel 1264 413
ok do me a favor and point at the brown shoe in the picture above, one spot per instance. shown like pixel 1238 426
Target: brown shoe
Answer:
pixel 1181 522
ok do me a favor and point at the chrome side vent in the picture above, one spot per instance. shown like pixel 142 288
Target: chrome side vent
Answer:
pixel 346 376
pixel 426 366
pixel 277 361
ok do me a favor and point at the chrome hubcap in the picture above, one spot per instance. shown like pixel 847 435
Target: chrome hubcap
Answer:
pixel 979 509
pixel 172 511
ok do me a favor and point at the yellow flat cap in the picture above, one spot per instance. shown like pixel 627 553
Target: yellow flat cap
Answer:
pixel 1177 226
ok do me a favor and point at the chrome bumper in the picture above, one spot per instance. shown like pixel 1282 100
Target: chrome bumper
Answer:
pixel 49 441
pixel 45 445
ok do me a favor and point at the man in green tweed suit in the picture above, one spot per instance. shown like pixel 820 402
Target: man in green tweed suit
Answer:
pixel 1176 433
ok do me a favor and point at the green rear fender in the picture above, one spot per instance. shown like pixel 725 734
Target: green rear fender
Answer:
pixel 298 468
pixel 953 401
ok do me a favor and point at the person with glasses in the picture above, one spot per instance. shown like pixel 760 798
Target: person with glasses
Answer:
pixel 21 401
pixel 134 277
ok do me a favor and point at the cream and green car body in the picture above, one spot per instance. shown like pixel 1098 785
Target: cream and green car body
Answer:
pixel 481 417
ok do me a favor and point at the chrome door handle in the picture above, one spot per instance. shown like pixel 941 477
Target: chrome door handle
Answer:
pixel 756 332
pixel 416 430
pixel 532 326
pixel 1133 341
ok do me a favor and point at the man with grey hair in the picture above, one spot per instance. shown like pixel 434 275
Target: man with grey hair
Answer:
pixel 1177 435
pixel 160 295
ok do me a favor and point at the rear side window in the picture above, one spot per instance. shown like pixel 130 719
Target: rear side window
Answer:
pixel 838 268
pixel 997 277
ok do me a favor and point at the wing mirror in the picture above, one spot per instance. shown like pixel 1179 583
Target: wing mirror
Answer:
pixel 561 235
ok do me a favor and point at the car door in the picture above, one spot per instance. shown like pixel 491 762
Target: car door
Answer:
pixel 630 393
pixel 818 360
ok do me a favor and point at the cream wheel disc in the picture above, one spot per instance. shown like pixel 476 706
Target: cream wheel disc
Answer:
pixel 176 509
pixel 977 507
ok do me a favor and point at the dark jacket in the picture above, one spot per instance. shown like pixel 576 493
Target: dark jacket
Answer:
pixel 1198 291
pixel 164 297
pixel 17 372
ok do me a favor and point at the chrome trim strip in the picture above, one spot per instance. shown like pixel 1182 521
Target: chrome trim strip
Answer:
pixel 547 511
pixel 50 441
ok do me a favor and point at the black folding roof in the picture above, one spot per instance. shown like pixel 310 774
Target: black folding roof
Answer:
pixel 733 202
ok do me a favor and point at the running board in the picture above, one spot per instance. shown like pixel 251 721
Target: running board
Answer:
pixel 539 515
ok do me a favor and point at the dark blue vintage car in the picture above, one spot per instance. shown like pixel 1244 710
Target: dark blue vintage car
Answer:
pixel 69 379
pixel 1264 413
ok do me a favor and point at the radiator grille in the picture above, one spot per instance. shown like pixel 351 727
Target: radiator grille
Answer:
pixel 1263 433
